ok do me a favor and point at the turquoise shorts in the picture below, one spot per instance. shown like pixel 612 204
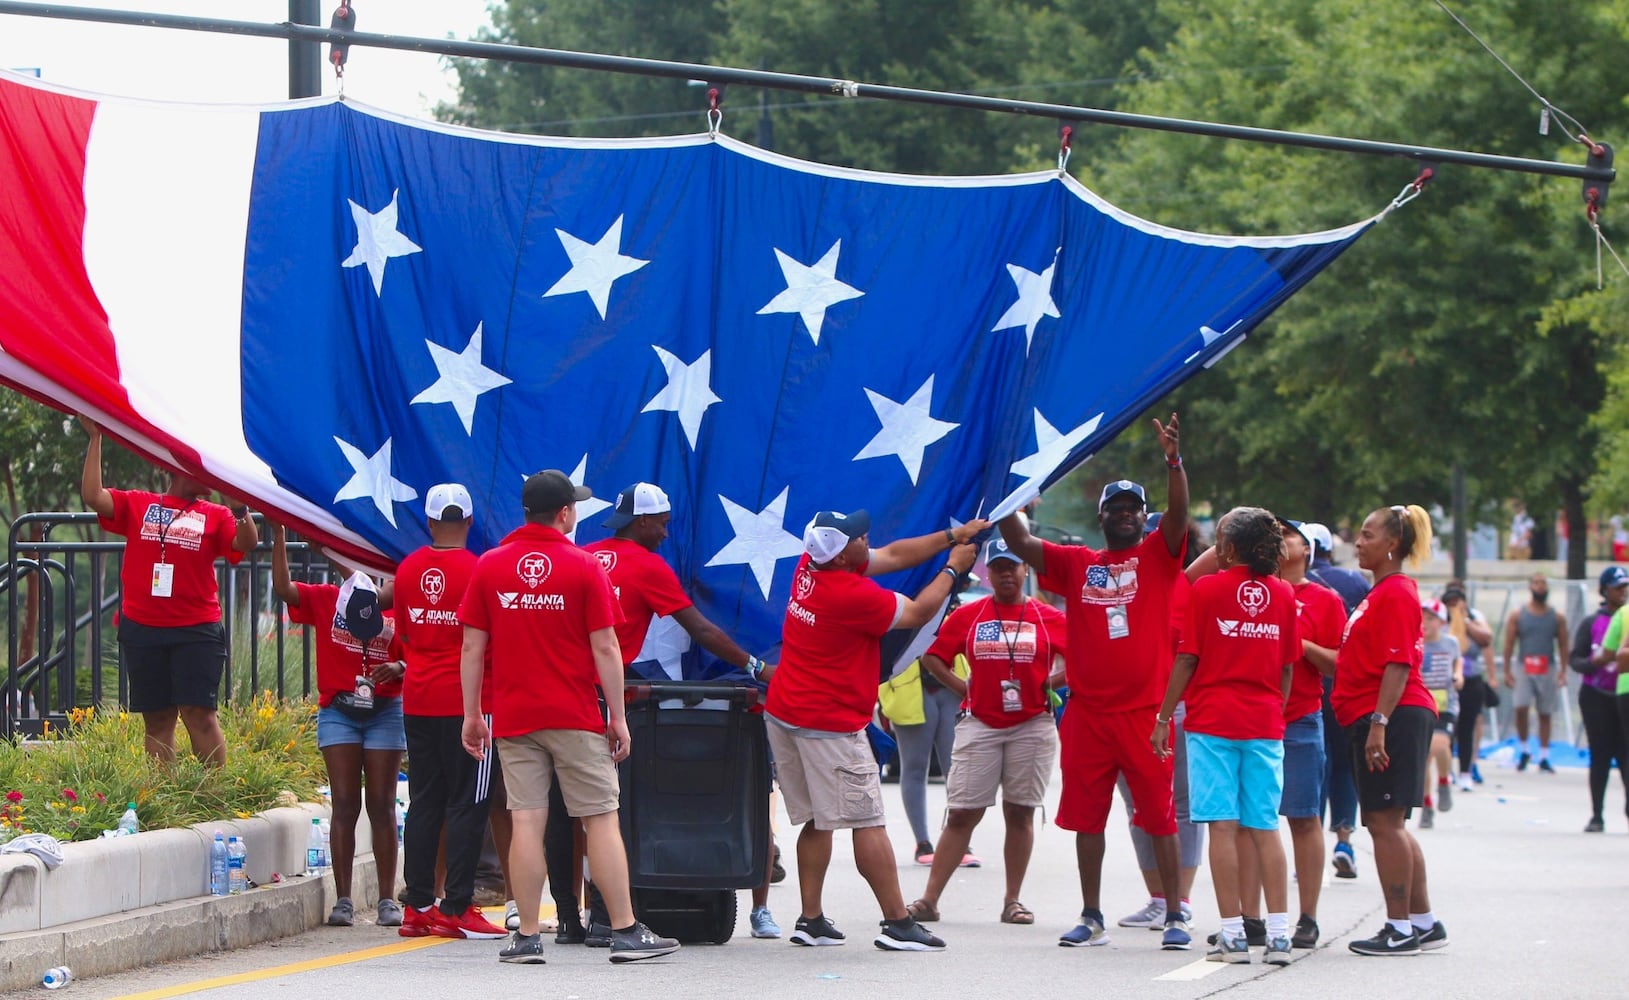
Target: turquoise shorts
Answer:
pixel 1238 780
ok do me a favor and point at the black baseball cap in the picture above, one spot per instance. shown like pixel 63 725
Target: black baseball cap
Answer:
pixel 547 491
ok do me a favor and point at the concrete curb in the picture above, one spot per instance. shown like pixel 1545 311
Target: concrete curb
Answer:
pixel 120 903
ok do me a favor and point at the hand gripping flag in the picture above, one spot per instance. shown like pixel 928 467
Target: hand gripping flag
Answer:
pixel 327 309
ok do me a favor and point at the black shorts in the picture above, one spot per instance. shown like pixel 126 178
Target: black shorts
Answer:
pixel 1408 743
pixel 1445 723
pixel 168 667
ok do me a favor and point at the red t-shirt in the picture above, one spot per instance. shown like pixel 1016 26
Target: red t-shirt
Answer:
pixel 1384 628
pixel 1242 628
pixel 339 653
pixel 831 649
pixel 193 533
pixel 1003 642
pixel 430 583
pixel 645 586
pixel 1181 588
pixel 1320 618
pixel 1129 671
pixel 539 598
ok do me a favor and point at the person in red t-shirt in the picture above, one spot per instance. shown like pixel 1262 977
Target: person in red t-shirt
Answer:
pixel 170 634
pixel 1117 662
pixel 1389 715
pixel 822 698
pixel 1005 740
pixel 1235 666
pixel 359 720
pixel 451 791
pixel 546 609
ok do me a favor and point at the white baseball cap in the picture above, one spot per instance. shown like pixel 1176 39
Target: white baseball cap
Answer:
pixel 829 532
pixel 1318 535
pixel 637 500
pixel 443 496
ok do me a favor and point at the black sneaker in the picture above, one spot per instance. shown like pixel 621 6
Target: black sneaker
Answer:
pixel 1526 759
pixel 571 933
pixel 907 935
pixel 1544 765
pixel 1390 942
pixel 816 932
pixel 1255 933
pixel 640 942
pixel 598 935
pixel 523 949
pixel 1595 825
pixel 1431 940
pixel 1306 933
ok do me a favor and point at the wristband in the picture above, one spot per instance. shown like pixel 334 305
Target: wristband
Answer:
pixel 1158 720
pixel 950 536
pixel 755 666
pixel 951 571
pixel 1174 463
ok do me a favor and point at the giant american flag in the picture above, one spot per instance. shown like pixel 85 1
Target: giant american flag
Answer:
pixel 326 309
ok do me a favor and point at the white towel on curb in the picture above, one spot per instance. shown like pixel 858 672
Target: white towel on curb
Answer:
pixel 42 846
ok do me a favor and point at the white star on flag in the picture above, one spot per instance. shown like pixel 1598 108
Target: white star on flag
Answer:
pixel 907 428
pixel 1051 447
pixel 811 289
pixel 1034 301
pixel 593 505
pixel 462 379
pixel 761 540
pixel 595 266
pixel 377 240
pixel 688 391
pixel 371 480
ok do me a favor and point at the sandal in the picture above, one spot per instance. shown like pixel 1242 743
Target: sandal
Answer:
pixel 1016 913
pixel 923 912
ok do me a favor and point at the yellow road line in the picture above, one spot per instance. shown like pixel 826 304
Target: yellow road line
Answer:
pixel 313 964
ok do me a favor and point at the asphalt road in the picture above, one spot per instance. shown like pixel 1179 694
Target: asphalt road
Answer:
pixel 1524 894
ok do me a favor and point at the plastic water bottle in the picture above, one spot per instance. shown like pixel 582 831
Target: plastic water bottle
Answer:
pixel 327 846
pixel 219 884
pixel 237 859
pixel 128 823
pixel 316 850
pixel 57 978
pixel 401 821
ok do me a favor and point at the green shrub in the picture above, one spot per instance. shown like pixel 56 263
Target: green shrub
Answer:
pixel 75 782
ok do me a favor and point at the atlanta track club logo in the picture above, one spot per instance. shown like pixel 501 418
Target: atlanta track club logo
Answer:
pixel 533 569
pixel 607 559
pixel 434 585
pixel 1254 597
pixel 804 585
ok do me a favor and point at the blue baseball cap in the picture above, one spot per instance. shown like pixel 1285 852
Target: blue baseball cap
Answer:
pixel 1118 487
pixel 1153 523
pixel 996 548
pixel 1614 576
pixel 830 531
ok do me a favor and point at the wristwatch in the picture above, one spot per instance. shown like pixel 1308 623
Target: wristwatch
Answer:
pixel 1376 719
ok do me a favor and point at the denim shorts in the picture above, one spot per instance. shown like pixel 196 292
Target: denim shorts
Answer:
pixel 382 731
pixel 1240 780
pixel 1303 767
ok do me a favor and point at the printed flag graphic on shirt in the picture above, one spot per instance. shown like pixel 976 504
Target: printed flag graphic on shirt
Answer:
pixel 326 310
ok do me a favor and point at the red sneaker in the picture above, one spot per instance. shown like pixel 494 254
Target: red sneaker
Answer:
pixel 469 924
pixel 417 922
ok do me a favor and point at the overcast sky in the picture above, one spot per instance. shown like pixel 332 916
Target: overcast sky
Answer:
pixel 168 64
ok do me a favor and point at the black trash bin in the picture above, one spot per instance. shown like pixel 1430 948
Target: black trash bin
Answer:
pixel 695 804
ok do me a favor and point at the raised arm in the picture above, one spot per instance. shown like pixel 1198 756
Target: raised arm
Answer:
pixel 1015 532
pixel 712 638
pixel 919 610
pixel 907 552
pixel 91 490
pixel 1174 525
pixel 247 535
pixel 282 585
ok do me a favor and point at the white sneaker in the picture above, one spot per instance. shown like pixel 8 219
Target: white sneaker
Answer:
pixel 1464 782
pixel 1151 915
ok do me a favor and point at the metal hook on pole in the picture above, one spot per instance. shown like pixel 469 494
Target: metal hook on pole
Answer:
pixel 1066 134
pixel 715 115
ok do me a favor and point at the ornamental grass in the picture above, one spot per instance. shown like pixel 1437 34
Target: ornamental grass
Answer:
pixel 75 782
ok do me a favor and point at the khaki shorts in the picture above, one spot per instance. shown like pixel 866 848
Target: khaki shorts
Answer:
pixel 831 781
pixel 1017 760
pixel 579 759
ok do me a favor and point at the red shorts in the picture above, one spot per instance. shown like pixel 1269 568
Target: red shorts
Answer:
pixel 1097 748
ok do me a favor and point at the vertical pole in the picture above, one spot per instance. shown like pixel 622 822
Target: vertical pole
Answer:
pixel 304 58
pixel 766 125
pixel 1460 541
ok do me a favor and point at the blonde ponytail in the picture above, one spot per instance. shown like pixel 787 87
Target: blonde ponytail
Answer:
pixel 1420 521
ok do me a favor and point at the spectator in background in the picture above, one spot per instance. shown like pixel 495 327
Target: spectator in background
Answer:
pixel 1470 628
pixel 1538 634
pixel 1441 671
pixel 170 633
pixel 1597 696
pixel 1521 535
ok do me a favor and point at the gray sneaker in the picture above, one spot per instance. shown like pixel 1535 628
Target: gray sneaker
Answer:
pixel 1445 796
pixel 390 913
pixel 1278 951
pixel 343 914
pixel 523 949
pixel 1234 951
pixel 1152 915
pixel 639 942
